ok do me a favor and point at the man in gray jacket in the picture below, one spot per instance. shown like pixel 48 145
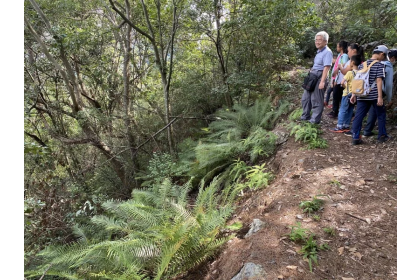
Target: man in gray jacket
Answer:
pixel 314 100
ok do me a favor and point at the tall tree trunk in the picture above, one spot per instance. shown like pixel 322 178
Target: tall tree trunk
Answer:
pixel 160 60
pixel 218 43
pixel 126 94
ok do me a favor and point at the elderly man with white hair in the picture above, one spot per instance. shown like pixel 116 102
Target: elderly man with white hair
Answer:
pixel 314 100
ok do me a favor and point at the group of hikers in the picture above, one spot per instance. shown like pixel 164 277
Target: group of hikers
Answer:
pixel 338 75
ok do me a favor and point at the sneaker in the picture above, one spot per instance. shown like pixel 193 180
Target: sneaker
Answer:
pixel 338 130
pixel 383 138
pixel 348 133
pixel 346 129
pixel 332 115
pixel 368 134
pixel 357 141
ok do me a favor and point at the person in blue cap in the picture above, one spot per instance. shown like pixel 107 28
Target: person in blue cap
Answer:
pixel 387 86
pixel 373 99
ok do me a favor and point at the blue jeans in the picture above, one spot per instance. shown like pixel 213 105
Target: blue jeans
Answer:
pixel 346 112
pixel 363 107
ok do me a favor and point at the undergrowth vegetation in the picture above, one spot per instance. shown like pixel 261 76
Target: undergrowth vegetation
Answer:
pixel 159 233
pixel 309 134
pixel 154 235
pixel 310 246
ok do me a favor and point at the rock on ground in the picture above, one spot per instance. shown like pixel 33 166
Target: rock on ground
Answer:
pixel 251 271
pixel 256 225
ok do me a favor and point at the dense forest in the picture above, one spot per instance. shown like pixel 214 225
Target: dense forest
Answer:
pixel 144 121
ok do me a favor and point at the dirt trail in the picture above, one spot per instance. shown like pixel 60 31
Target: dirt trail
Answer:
pixel 367 190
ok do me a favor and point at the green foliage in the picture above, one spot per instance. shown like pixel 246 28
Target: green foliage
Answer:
pixel 316 218
pixel 154 235
pixel 260 143
pixel 311 206
pixel 310 250
pixel 238 134
pixel 310 247
pixel 160 166
pixel 296 114
pixel 329 230
pixel 34 148
pixel 257 178
pixel 309 133
pixel 238 170
pixel 254 177
pixel 335 182
pixel 298 234
pixel 235 226
pixel 392 178
pixel 240 121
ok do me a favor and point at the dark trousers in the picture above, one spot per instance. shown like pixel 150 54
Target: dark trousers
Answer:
pixel 370 125
pixel 337 95
pixel 363 107
pixel 327 98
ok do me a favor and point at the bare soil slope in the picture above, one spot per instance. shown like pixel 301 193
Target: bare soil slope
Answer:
pixel 361 206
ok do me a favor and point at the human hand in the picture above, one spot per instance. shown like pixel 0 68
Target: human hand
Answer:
pixel 380 102
pixel 353 99
pixel 321 85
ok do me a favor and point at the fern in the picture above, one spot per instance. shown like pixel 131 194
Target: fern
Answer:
pixel 257 178
pixel 308 133
pixel 239 122
pixel 154 235
pixel 296 114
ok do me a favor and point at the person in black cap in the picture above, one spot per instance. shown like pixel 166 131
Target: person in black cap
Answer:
pixel 392 55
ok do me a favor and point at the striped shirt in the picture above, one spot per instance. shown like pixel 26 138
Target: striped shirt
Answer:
pixel 376 71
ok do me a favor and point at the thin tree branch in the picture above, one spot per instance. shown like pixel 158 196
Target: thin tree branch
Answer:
pixel 37 139
pixel 142 32
pixel 162 129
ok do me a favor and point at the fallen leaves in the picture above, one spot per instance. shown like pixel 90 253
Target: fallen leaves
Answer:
pixel 291 251
pixel 358 255
pixel 292 267
pixel 352 251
